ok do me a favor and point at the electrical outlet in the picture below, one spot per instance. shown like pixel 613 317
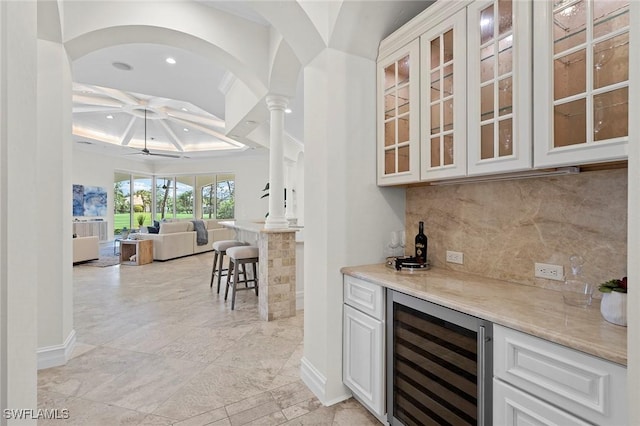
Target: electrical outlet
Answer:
pixel 455 257
pixel 550 272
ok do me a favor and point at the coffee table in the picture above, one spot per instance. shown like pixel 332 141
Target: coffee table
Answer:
pixel 143 249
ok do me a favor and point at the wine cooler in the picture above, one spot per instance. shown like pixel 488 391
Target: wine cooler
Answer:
pixel 439 364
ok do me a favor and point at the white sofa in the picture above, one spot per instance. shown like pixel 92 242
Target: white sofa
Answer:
pixel 178 238
pixel 85 248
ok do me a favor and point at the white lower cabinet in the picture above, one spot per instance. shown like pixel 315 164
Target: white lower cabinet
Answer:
pixel 538 382
pixel 363 361
pixel 515 407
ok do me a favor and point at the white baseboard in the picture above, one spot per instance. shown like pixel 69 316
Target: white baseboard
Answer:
pixel 299 300
pixel 317 383
pixel 53 356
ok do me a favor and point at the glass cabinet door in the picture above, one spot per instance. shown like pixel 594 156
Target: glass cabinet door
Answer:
pixel 443 96
pixel 585 65
pixel 499 85
pixel 398 126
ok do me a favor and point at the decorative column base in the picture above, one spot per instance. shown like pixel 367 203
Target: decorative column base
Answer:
pixel 277 295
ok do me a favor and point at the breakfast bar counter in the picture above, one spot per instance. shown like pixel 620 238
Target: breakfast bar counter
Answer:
pixel 276 264
pixel 533 310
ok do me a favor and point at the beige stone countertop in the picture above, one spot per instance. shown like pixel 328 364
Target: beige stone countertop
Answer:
pixel 530 309
pixel 255 226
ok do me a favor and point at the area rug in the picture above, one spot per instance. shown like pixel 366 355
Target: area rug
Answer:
pixel 104 261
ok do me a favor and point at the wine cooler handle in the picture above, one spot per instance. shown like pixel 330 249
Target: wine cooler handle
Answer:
pixel 481 374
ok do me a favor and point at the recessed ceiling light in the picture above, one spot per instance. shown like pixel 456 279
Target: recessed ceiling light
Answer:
pixel 170 60
pixel 185 129
pixel 122 66
pixel 250 122
pixel 184 109
pixel 287 111
pixel 110 117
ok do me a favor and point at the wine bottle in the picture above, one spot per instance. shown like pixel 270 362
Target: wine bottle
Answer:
pixel 421 244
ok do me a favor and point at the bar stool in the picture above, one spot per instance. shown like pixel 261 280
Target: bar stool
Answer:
pixel 219 250
pixel 241 256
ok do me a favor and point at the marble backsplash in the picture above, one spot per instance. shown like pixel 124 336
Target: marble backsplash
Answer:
pixel 503 228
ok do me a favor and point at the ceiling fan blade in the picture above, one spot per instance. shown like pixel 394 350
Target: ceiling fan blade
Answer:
pixel 157 154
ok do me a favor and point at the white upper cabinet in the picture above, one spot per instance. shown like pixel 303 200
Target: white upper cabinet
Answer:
pixel 581 76
pixel 398 116
pixel 499 36
pixel 443 99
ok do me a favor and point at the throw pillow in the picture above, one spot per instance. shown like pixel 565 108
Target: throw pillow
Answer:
pixel 153 229
pixel 156 224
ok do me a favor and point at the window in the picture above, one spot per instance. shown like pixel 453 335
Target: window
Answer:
pixel 217 195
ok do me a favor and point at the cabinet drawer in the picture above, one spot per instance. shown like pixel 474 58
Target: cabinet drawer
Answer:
pixel 586 386
pixel 512 407
pixel 364 296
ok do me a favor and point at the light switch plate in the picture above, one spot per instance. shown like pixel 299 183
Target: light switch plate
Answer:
pixel 455 257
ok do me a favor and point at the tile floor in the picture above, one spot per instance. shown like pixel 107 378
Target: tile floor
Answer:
pixel 157 347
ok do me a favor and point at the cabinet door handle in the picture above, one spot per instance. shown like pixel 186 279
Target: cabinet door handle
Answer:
pixel 481 374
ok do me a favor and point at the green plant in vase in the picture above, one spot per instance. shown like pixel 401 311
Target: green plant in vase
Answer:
pixel 613 306
pixel 141 219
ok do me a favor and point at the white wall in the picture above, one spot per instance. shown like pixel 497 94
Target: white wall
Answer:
pixel 347 217
pixel 53 176
pixel 19 207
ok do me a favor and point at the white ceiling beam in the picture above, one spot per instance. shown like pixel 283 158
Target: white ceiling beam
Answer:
pixel 125 98
pixel 128 132
pixel 207 130
pixel 93 108
pixel 196 118
pixel 88 99
pixel 173 138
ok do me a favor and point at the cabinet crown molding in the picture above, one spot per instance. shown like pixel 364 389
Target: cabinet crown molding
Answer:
pixel 432 15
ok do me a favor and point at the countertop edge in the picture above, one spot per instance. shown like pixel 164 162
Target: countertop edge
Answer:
pixel 571 340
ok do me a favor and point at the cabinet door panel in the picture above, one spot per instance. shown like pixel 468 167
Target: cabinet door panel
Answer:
pixel 398 116
pixel 499 35
pixel 442 71
pixel 581 66
pixel 363 358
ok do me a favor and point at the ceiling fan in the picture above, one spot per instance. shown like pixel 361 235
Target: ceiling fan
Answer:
pixel 145 150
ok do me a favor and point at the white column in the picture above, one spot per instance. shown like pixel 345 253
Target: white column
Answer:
pixel 290 208
pixel 276 219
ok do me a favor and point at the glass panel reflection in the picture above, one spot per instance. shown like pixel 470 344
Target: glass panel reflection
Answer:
pixel 505 138
pixel 611 61
pixel 435 53
pixel 403 100
pixel 448 149
pixel 435 152
pixel 570 123
pixel 505 55
pixel 569 73
pixel 447 112
pixel 448 81
pixel 403 70
pixel 487 60
pixel 389 105
pixel 390 133
pixel 486 141
pixel 403 129
pixel 435 119
pixel 505 101
pixel 611 114
pixel 390 161
pixel 486 102
pixel 448 46
pixel 505 12
pixel 435 85
pixel 390 76
pixel 486 25
pixel 403 159
pixel 569 26
pixel 609 16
